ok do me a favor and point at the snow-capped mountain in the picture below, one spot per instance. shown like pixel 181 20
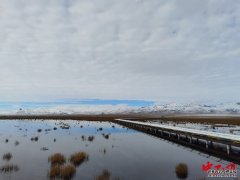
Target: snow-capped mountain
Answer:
pixel 74 109
pixel 173 108
pixel 223 108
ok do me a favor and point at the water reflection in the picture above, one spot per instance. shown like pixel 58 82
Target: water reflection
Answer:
pixel 114 152
pixel 8 168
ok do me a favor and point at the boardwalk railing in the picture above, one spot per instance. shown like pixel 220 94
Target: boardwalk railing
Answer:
pixel 226 146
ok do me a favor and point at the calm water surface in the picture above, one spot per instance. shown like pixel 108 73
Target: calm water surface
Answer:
pixel 127 154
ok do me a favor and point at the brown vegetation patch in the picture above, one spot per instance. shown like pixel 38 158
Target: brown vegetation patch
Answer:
pixel 104 176
pixel 9 168
pixel 78 158
pixel 34 139
pixel 7 156
pixel 106 136
pixel 54 172
pixel 57 159
pixel 90 138
pixel 181 171
pixel 83 138
pixel 67 172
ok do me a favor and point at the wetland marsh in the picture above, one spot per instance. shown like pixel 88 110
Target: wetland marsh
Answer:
pixel 90 150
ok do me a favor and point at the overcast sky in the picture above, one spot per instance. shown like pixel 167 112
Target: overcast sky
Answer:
pixel 157 50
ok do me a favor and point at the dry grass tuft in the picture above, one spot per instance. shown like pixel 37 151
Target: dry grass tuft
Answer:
pixel 106 136
pixel 90 138
pixel 9 168
pixel 83 138
pixel 34 138
pixel 7 156
pixel 54 172
pixel 104 176
pixel 78 158
pixel 67 171
pixel 57 159
pixel 181 171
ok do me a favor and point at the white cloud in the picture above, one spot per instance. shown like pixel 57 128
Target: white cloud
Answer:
pixel 145 49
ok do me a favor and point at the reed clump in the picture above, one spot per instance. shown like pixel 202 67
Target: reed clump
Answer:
pixel 104 176
pixel 57 159
pixel 60 170
pixel 67 172
pixel 78 158
pixel 34 139
pixel 90 138
pixel 9 168
pixel 83 138
pixel 54 172
pixel 181 171
pixel 7 156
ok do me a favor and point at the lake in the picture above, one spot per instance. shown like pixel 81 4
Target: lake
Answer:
pixel 123 154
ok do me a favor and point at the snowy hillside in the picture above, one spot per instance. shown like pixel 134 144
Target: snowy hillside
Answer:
pixel 224 108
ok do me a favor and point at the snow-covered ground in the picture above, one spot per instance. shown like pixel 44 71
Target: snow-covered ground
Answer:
pixel 222 108
pixel 220 128
pixel 232 109
pixel 207 132
pixel 71 109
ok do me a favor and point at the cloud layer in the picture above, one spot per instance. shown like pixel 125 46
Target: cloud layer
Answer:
pixel 143 49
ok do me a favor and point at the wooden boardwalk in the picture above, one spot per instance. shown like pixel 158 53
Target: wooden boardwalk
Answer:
pixel 226 146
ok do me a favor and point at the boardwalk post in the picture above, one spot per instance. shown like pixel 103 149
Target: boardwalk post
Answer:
pixel 211 144
pixel 228 152
pixel 207 144
pixel 229 149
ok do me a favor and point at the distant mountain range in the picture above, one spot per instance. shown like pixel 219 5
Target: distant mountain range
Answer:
pixel 173 108
pixel 223 108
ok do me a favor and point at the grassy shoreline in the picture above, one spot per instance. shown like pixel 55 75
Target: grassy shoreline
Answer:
pixel 231 120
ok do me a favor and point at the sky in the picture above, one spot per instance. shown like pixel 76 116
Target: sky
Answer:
pixel 120 51
pixel 71 103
